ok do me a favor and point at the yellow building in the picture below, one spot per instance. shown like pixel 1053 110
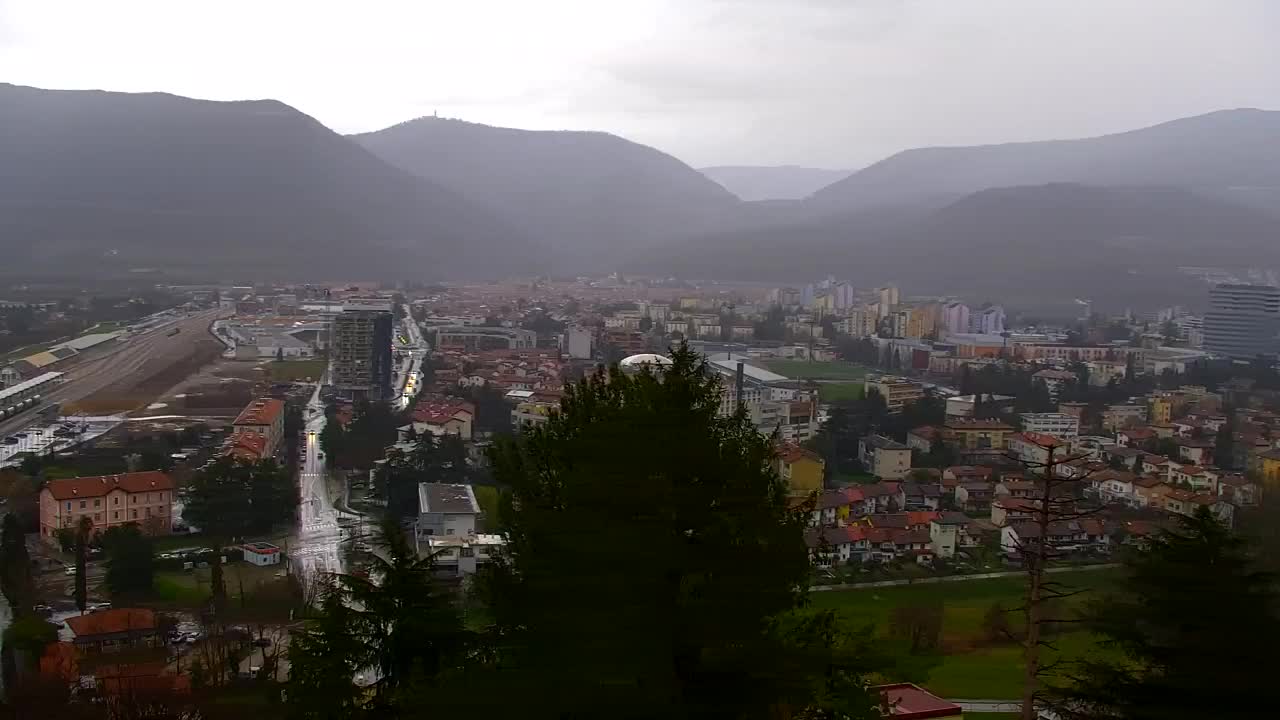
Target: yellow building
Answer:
pixel 968 434
pixel 801 469
pixel 1160 409
pixel 922 322
pixel 1269 468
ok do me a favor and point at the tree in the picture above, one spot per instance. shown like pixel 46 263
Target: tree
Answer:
pixel 638 508
pixel 15 567
pixel 1171 661
pixel 324 657
pixel 919 625
pixel 130 562
pixel 995 623
pixel 1224 443
pixel 83 530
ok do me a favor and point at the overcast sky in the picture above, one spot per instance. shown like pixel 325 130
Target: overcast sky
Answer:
pixel 828 83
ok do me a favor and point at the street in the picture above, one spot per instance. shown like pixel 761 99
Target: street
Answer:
pixel 315 547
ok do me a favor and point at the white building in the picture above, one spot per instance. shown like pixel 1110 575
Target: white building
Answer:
pixel 955 318
pixel 1060 425
pixel 262 554
pixel 577 343
pixel 988 321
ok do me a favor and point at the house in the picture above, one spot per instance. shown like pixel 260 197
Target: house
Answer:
pixel 836 507
pixel 1006 510
pixel 921 495
pixel 1196 451
pixel 439 416
pixel 975 496
pixel 1064 536
pixel 1149 492
pixel 462 555
pixel 976 440
pixel 923 437
pixel 1236 489
pixel 263 417
pixel 945 533
pixel 446 509
pixel 886 496
pixel 1034 450
pixel 246 446
pixel 261 554
pixel 803 470
pixel 145 498
pixel 883 457
pixel 1196 478
pixel 906 701
pixel 114 630
pixel 1115 486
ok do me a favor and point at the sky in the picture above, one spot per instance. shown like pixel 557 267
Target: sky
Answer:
pixel 824 83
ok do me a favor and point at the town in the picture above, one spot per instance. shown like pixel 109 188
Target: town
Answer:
pixel 921 437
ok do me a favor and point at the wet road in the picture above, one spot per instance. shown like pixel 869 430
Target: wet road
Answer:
pixel 315 548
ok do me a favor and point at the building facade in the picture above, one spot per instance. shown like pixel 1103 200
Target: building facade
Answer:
pixel 1243 321
pixel 360 354
pixel 145 498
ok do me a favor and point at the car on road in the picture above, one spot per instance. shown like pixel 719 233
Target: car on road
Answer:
pixel 69 571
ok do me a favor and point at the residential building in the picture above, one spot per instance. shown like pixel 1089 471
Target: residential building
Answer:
pixel 955 318
pixel 478 339
pixel 1033 449
pixel 888 299
pixel 577 342
pixel 114 630
pixel 446 509
pixel 1243 321
pixel 1054 380
pixel 145 498
pixel 884 458
pixel 988 320
pixel 803 470
pixel 968 435
pixel 360 363
pixel 961 406
pixel 529 414
pixel 1123 415
pixel 462 555
pixel 946 533
pixel 896 391
pixel 1060 425
pixel 263 418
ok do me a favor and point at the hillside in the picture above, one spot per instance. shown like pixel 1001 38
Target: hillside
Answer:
pixel 781 182
pixel 593 195
pixel 1225 153
pixel 101 181
pixel 1022 244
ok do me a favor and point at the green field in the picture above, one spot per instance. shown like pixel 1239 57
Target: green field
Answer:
pixel 295 370
pixel 840 391
pixel 970 667
pixel 803 369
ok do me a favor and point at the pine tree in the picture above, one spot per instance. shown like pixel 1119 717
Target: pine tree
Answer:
pixel 653 564
pixel 1174 660
pixel 15 567
pixel 324 657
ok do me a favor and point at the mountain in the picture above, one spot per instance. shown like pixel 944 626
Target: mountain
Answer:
pixel 1023 245
pixel 101 180
pixel 1234 154
pixel 782 182
pixel 594 196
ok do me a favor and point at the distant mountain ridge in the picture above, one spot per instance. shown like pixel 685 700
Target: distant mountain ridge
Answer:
pixel 778 182
pixel 93 179
pixel 1212 153
pixel 592 195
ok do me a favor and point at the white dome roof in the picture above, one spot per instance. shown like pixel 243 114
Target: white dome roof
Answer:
pixel 654 359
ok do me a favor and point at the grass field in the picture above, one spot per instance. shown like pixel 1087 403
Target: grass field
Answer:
pixel 295 370
pixel 801 369
pixel 969 667
pixel 192 588
pixel 840 391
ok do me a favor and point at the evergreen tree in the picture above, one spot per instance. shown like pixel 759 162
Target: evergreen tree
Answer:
pixel 130 563
pixel 15 567
pixel 324 657
pixel 653 563
pixel 1173 659
pixel 1224 443
pixel 83 530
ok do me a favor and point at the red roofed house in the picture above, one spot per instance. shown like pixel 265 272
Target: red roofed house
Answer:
pixel 247 446
pixel 112 630
pixel 264 417
pixel 145 498
pixel 443 417
pixel 906 701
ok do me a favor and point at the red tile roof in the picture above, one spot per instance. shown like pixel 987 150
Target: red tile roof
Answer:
pixel 247 446
pixel 792 453
pixel 112 621
pixel 262 411
pixel 99 486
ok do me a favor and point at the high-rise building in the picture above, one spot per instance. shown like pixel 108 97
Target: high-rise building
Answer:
pixel 988 320
pixel 360 354
pixel 888 299
pixel 1243 321
pixel 955 317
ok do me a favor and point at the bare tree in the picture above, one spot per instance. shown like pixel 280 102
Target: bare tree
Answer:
pixel 1059 478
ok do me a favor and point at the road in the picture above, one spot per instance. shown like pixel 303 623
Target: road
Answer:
pixel 315 548
pixel 128 356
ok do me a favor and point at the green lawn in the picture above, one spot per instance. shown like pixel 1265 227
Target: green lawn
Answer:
pixel 837 392
pixel 295 370
pixel 970 667
pixel 833 370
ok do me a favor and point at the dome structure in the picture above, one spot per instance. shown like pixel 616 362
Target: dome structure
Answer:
pixel 636 362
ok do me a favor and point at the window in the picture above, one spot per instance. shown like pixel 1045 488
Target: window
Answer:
pixel 133 499
pixel 84 504
pixel 97 517
pixel 68 504
pixel 448 531
pixel 468 552
pixel 97 502
pixel 163 510
pixel 116 500
pixel 115 515
pixel 133 513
